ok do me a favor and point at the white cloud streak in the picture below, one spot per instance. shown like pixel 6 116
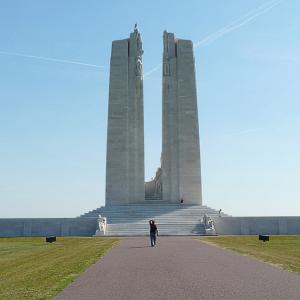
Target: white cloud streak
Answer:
pixel 245 131
pixel 152 70
pixel 51 59
pixel 234 25
pixel 238 23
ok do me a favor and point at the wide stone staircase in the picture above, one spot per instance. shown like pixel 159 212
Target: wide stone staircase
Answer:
pixel 171 219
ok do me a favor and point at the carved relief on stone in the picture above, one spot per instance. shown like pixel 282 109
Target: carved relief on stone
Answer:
pixel 158 183
pixel 166 44
pixel 154 187
pixel 208 222
pixel 138 86
pixel 139 44
pixel 102 222
pixel 166 69
pixel 138 67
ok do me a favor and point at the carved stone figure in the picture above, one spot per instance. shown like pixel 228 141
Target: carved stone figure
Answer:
pixel 153 188
pixel 138 67
pixel 101 226
pixel 158 183
pixel 139 45
pixel 208 222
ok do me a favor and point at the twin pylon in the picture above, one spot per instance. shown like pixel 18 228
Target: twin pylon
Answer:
pixel 180 175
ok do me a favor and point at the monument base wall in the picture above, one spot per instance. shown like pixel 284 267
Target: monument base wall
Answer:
pixel 257 225
pixel 48 227
pixel 25 227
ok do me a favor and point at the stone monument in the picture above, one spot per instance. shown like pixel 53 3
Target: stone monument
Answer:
pixel 181 177
pixel 125 133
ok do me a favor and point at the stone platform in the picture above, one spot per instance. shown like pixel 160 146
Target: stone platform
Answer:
pixel 171 219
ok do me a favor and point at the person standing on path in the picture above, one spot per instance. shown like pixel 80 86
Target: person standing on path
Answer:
pixel 153 233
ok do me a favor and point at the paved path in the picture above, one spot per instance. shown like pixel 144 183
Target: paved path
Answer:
pixel 180 268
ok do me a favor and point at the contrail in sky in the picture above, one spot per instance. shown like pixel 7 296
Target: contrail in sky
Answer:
pixel 245 131
pixel 65 61
pixel 241 21
pixel 245 19
pixel 152 70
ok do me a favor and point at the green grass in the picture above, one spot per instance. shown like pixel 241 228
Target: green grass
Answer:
pixel 33 269
pixel 283 251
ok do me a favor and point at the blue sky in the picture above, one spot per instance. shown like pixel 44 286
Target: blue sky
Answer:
pixel 53 114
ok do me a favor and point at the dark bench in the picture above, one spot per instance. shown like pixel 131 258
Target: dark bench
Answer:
pixel 263 237
pixel 50 239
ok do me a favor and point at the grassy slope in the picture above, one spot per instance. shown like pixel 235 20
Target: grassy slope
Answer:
pixel 283 251
pixel 33 269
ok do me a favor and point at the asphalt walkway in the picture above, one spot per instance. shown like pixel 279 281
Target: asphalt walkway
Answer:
pixel 180 268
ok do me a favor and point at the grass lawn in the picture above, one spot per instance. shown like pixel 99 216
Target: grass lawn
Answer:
pixel 283 251
pixel 33 269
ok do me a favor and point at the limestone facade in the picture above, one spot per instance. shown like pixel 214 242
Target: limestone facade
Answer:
pixel 125 133
pixel 181 176
pixel 180 165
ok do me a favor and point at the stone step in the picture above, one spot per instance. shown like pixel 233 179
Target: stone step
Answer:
pixel 151 205
pixel 146 226
pixel 141 213
pixel 168 231
pixel 156 209
pixel 157 218
pixel 146 215
pixel 162 221
pixel 146 234
pixel 168 227
pixel 162 204
pixel 172 219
